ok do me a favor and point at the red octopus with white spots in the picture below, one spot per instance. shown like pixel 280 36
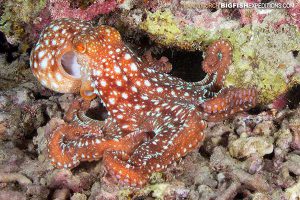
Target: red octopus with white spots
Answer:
pixel 154 118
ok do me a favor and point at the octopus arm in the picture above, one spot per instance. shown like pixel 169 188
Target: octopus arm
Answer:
pixel 229 102
pixel 71 144
pixel 216 63
pixel 161 65
pixel 172 140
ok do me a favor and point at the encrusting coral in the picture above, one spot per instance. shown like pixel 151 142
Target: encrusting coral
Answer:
pixel 165 29
pixel 21 19
pixel 245 147
pixel 61 9
pixel 263 57
pixel 17 18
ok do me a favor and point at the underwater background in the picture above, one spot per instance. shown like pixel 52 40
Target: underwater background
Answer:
pixel 252 154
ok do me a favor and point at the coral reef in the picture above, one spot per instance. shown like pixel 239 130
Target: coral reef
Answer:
pixel 22 21
pixel 17 18
pixel 19 116
pixel 15 72
pixel 245 147
pixel 263 54
pixel 163 28
pixel 251 156
pixel 264 59
pixel 61 9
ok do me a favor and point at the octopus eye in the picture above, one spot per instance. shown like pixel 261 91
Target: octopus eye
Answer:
pixel 80 47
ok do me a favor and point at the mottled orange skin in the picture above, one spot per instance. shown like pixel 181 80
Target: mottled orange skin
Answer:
pixel 154 118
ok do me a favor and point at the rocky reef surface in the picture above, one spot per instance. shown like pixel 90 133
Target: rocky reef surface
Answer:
pixel 255 155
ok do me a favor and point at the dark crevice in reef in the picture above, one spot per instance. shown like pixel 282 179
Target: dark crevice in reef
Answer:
pixel 204 152
pixel 7 49
pixel 293 97
pixel 39 96
pixel 256 110
pixel 225 139
pixel 186 65
pixel 93 113
pixel 295 53
pixel 270 156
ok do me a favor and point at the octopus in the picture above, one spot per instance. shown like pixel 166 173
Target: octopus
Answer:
pixel 154 119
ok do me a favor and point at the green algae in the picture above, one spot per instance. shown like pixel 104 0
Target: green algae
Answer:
pixel 166 30
pixel 262 58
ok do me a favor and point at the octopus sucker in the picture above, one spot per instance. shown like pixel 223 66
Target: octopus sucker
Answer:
pixel 153 120
pixel 218 56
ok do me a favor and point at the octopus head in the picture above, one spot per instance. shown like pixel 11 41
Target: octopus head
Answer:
pixel 54 60
pixel 93 50
pixel 97 44
pixel 67 51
